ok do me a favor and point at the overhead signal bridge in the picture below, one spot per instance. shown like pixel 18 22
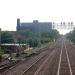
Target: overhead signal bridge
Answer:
pixel 63 25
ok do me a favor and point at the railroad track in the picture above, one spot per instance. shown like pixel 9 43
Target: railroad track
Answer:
pixel 30 65
pixel 61 62
pixel 64 64
pixel 71 55
pixel 45 63
pixel 32 70
pixel 24 67
pixel 35 64
pixel 7 66
pixel 49 66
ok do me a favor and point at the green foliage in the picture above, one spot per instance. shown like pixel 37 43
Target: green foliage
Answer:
pixel 1 52
pixel 71 36
pixel 53 34
pixel 45 40
pixel 6 37
pixel 32 42
pixel 29 37
pixel 35 38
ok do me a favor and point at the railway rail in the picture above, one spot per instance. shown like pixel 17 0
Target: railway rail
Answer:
pixel 71 56
pixel 60 60
pixel 32 70
pixel 26 64
pixel 64 65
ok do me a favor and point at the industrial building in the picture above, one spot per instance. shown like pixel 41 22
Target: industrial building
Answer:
pixel 34 26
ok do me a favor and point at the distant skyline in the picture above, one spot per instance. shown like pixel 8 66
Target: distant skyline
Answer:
pixel 29 10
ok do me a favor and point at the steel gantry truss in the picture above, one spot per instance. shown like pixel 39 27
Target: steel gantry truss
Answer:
pixel 63 25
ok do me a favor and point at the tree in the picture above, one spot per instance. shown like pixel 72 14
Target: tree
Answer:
pixel 52 34
pixel 6 37
pixel 1 53
pixel 37 38
pixel 71 36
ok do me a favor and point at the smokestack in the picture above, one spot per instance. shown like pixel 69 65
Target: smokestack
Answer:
pixel 18 24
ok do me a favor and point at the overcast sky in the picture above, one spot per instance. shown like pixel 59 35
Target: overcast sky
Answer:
pixel 29 10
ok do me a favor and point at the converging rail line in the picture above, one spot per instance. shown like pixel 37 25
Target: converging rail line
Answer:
pixel 68 61
pixel 36 73
pixel 63 63
pixel 56 61
pixel 64 67
pixel 24 73
pixel 60 60
pixel 31 62
pixel 37 59
pixel 34 70
pixel 49 58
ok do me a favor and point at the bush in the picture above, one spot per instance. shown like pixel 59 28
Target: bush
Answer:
pixel 1 53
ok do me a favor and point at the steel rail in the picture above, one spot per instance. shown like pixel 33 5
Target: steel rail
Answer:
pixel 60 60
pixel 68 61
